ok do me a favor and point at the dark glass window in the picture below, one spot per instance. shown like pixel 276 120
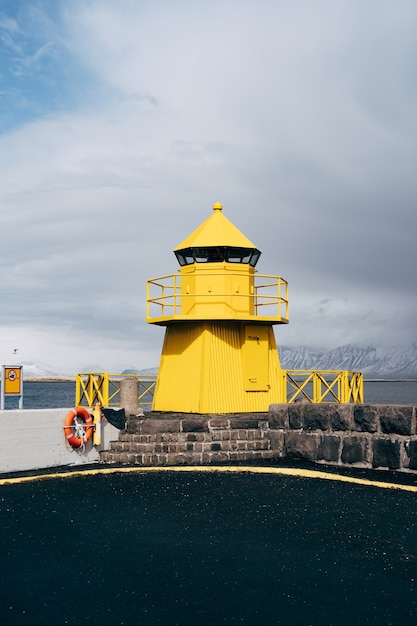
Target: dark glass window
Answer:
pixel 201 255
pixel 218 254
pixel 255 257
pixel 239 255
pixel 213 254
pixel 185 257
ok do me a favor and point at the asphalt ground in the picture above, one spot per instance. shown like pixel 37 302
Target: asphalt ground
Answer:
pixel 193 546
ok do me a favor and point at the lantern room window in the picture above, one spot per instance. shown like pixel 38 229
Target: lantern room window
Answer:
pixel 218 254
pixel 185 257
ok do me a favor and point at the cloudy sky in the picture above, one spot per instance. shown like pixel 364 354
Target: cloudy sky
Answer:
pixel 122 122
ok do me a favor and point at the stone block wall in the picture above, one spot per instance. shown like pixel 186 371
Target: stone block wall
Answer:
pixel 365 436
pixel 361 435
pixel 191 440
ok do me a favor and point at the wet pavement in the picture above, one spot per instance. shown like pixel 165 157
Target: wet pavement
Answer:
pixel 168 548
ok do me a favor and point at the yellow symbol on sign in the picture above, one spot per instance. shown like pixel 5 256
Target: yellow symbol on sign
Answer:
pixel 12 381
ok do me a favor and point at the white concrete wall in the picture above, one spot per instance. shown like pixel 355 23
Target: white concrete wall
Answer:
pixel 34 439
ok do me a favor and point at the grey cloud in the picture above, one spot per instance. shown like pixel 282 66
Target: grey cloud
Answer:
pixel 302 123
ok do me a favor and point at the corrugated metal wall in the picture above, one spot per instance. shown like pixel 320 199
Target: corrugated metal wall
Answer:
pixel 202 370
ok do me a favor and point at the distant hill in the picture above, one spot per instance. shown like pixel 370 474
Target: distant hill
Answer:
pixel 374 362
pixel 40 370
pixel 149 370
pixel 397 362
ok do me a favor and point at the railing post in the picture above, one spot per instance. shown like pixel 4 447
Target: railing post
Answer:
pixel 90 389
pixel 316 388
pixel 105 389
pixel 359 387
pixel 78 380
pixel 344 397
pixel 148 298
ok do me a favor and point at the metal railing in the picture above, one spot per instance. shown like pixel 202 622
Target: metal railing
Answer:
pixel 164 298
pixel 92 387
pixel 313 386
pixel 322 386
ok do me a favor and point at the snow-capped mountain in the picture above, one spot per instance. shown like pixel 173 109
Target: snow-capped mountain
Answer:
pixel 396 362
pixel 39 370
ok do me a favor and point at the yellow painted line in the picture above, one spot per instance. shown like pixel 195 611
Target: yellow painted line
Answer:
pixel 282 471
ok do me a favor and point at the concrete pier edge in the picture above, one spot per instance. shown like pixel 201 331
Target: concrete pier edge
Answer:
pixel 367 436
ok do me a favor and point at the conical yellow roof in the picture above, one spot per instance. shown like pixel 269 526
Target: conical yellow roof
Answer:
pixel 217 230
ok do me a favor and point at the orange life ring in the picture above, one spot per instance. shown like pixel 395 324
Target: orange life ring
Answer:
pixel 78 432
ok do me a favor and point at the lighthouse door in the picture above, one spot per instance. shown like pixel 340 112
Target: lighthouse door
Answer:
pixel 255 358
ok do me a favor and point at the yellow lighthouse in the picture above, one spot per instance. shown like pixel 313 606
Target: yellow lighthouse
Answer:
pixel 219 353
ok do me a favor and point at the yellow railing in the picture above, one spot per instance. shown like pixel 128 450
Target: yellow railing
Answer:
pixel 322 386
pixel 314 386
pixel 164 294
pixel 164 298
pixel 92 387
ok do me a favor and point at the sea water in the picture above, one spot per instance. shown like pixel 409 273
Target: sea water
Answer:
pixel 44 395
pixel 391 392
pixel 49 395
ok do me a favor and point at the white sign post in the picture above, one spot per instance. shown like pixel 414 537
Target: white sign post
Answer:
pixel 11 383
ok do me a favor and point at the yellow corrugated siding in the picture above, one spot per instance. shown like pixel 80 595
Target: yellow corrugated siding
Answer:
pixel 202 369
pixel 178 374
pixel 224 370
